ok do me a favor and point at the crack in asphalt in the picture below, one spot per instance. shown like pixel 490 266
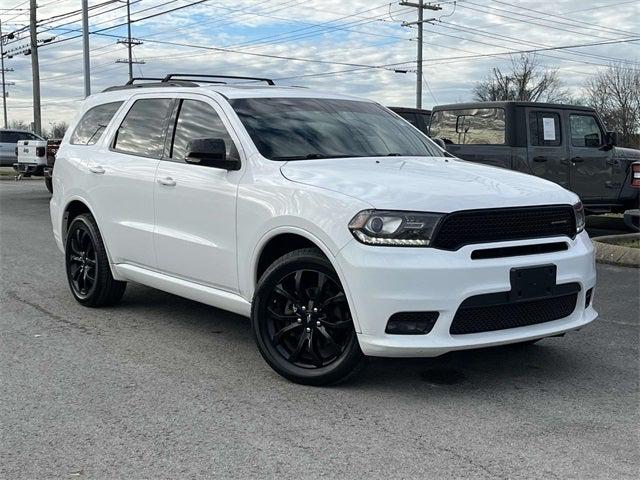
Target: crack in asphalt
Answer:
pixel 48 313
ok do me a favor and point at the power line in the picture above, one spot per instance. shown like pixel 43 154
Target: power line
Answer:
pixel 567 21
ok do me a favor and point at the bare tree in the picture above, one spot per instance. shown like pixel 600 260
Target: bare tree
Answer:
pixel 527 80
pixel 615 93
pixel 57 129
pixel 19 125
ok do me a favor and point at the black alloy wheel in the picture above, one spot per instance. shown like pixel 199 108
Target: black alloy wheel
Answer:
pixel 87 265
pixel 302 320
pixel 82 261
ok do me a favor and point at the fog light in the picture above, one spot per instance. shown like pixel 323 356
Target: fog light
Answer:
pixel 411 323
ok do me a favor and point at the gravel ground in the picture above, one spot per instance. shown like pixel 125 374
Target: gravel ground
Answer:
pixel 162 387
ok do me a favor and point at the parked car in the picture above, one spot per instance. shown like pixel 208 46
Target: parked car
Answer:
pixel 337 227
pixel 36 158
pixel 417 117
pixel 8 140
pixel 566 144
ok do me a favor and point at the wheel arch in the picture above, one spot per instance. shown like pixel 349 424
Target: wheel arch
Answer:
pixel 283 240
pixel 77 206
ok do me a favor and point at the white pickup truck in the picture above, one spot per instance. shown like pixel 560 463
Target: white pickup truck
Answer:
pixel 36 158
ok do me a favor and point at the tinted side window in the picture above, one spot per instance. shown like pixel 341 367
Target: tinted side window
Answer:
pixel 197 120
pixel 142 131
pixel 545 129
pixel 11 137
pixel 92 124
pixel 475 126
pixel 585 131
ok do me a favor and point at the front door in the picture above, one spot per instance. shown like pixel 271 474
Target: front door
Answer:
pixel 547 150
pixel 195 230
pixel 591 169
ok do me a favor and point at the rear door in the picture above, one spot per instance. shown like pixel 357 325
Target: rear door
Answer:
pixel 195 205
pixel 547 147
pixel 8 140
pixel 591 168
pixel 122 176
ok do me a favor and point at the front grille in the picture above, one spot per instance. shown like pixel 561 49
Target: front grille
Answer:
pixel 503 224
pixel 473 318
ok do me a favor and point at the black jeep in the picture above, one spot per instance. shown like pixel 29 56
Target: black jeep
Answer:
pixel 566 144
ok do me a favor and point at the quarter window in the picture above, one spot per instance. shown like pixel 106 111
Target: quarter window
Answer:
pixel 585 131
pixel 92 124
pixel 474 126
pixel 545 129
pixel 142 131
pixel 198 120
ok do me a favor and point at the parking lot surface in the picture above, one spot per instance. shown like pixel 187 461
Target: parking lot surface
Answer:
pixel 163 387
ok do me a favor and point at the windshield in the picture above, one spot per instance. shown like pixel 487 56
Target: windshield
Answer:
pixel 304 128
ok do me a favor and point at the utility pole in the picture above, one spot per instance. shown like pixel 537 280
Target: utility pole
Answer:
pixel 4 88
pixel 130 43
pixel 85 48
pixel 421 8
pixel 35 69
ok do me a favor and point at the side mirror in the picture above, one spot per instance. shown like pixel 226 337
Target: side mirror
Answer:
pixel 611 139
pixel 210 152
pixel 440 143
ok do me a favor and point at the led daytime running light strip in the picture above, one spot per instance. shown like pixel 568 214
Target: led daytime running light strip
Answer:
pixel 364 238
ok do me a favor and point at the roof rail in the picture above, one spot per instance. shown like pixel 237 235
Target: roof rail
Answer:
pixel 151 83
pixel 170 80
pixel 195 77
pixel 135 79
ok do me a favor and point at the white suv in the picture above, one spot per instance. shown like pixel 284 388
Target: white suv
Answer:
pixel 339 228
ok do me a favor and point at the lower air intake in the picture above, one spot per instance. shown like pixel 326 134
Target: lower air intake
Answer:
pixel 488 318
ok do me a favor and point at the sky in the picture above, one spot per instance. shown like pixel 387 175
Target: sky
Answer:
pixel 341 46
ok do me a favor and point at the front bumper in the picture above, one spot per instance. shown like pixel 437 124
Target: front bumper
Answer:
pixel 381 281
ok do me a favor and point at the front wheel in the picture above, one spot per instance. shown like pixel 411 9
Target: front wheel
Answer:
pixel 301 320
pixel 48 181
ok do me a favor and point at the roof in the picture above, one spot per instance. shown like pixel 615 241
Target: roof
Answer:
pixel 410 110
pixel 510 103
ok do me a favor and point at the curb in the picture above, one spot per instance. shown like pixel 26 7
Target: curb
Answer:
pixel 608 252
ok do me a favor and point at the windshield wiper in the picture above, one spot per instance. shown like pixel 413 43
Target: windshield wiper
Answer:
pixel 311 156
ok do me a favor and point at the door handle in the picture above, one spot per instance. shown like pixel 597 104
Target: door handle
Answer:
pixel 539 159
pixel 96 169
pixel 577 159
pixel 167 182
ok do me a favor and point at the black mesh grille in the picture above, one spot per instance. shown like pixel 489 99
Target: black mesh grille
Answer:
pixel 487 318
pixel 495 225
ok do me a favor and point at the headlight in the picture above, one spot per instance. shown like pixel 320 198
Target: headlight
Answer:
pixel 400 229
pixel 578 210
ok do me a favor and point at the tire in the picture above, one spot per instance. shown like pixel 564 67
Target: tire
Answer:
pixel 302 323
pixel 49 184
pixel 87 265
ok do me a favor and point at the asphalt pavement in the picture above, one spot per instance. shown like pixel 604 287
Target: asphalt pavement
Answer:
pixel 163 387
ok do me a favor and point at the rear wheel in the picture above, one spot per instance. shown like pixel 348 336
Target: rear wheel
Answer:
pixel 301 320
pixel 49 184
pixel 87 265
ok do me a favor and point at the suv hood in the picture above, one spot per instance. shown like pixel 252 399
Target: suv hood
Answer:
pixel 426 183
pixel 627 153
